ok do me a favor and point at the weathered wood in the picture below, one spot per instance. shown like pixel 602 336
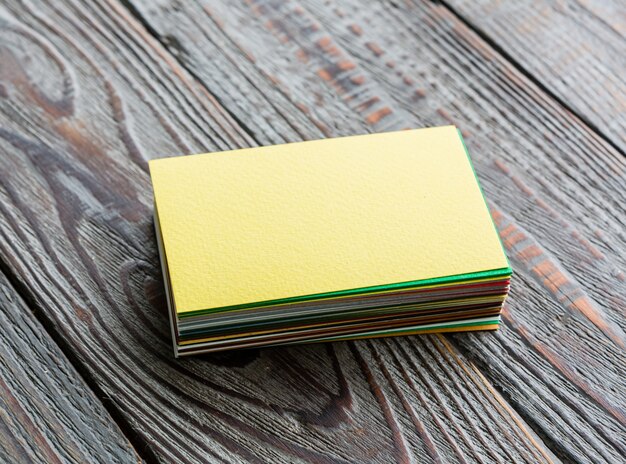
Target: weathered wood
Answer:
pixel 47 413
pixel 575 49
pixel 556 188
pixel 87 96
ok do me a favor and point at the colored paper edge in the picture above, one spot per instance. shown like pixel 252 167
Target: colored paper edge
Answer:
pixel 490 319
pixel 491 312
pixel 345 316
pixel 408 330
pixel 492 324
pixel 202 317
pixel 502 272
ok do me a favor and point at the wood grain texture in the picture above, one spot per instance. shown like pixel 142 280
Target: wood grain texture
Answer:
pixel 86 97
pixel 89 95
pixel 576 49
pixel 554 185
pixel 47 413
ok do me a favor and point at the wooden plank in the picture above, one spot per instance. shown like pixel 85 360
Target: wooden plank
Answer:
pixel 47 412
pixel 554 185
pixel 575 49
pixel 87 97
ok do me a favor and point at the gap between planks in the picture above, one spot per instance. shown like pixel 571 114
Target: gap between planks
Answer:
pixel 528 75
pixel 140 446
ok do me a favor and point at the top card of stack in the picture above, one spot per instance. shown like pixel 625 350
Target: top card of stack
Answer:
pixel 372 235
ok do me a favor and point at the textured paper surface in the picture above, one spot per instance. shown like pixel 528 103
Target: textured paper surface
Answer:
pixel 314 217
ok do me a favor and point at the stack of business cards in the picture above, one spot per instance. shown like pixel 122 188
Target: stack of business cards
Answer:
pixel 338 239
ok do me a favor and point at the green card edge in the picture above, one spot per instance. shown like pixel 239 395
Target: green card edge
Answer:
pixel 503 272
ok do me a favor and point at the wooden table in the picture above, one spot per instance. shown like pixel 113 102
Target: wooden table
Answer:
pixel 89 91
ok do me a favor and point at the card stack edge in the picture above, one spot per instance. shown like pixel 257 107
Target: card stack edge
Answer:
pixel 453 325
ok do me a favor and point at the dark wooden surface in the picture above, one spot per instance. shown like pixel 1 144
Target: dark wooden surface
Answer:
pixel 89 91
pixel 47 412
pixel 576 50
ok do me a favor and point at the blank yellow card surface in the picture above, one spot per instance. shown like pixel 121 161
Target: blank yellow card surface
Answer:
pixel 283 221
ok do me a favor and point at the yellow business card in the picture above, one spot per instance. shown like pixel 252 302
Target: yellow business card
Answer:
pixel 310 218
